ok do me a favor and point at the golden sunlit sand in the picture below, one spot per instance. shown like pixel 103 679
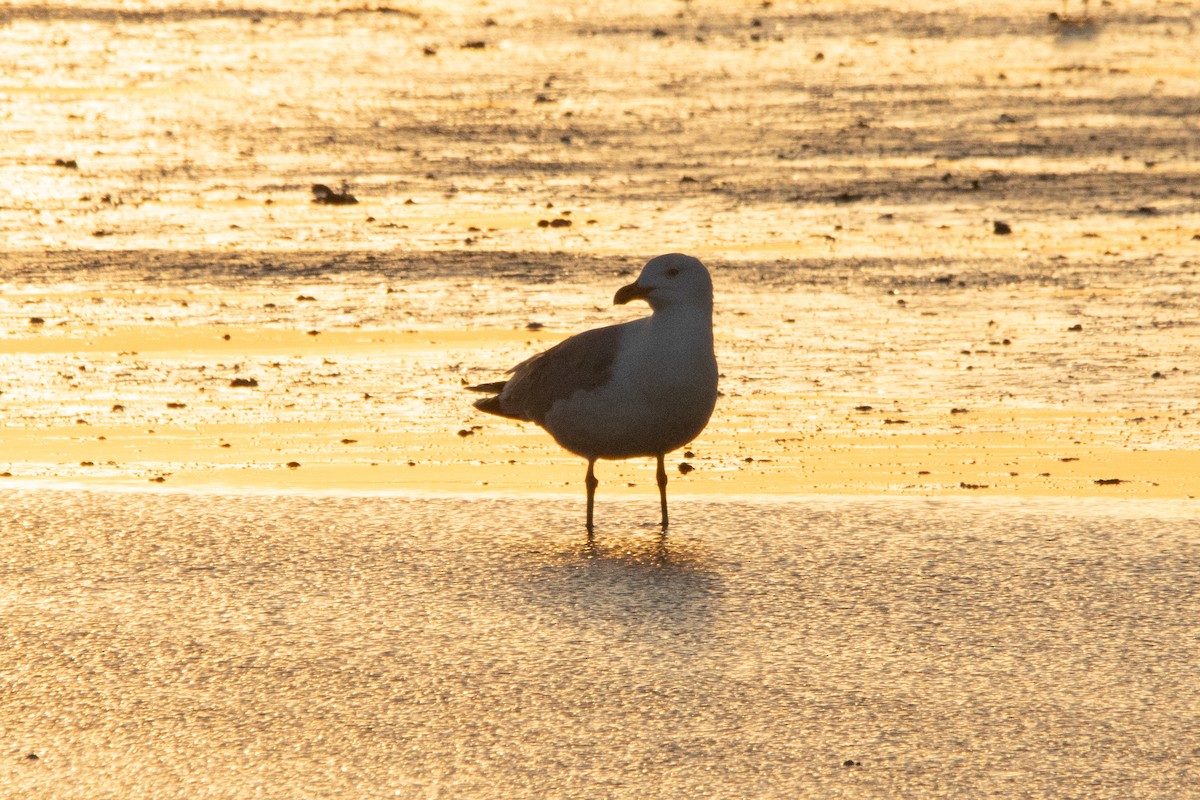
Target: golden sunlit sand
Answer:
pixel 939 539
pixel 257 458
pixel 1005 450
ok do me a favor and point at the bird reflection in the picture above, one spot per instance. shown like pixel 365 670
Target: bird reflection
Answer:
pixel 626 584
pixel 656 553
pixel 631 555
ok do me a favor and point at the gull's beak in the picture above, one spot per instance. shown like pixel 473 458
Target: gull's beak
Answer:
pixel 634 291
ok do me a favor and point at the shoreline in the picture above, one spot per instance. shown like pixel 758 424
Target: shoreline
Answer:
pixel 917 463
pixel 107 401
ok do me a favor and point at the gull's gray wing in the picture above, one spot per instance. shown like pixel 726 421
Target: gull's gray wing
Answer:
pixel 583 362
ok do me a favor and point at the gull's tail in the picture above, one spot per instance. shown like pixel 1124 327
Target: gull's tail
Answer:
pixel 491 405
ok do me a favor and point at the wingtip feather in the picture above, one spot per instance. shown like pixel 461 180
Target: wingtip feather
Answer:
pixel 489 388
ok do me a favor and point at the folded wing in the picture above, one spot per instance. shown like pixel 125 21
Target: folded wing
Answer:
pixel 581 363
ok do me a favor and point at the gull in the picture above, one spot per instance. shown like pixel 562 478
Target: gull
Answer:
pixel 639 388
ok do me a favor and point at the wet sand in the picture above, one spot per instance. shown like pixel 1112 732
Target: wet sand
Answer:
pixel 234 645
pixel 841 169
pixel 942 526
pixel 976 386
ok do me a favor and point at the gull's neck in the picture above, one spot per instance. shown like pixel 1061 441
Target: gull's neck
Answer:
pixel 694 319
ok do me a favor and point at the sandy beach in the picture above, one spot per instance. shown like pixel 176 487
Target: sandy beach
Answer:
pixel 938 540
pixel 358 380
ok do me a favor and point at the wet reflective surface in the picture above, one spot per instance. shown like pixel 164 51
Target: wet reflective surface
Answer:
pixel 765 128
pixel 254 542
pixel 217 645
pixel 841 169
pixel 836 376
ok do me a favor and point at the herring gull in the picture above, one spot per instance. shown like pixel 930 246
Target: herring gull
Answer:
pixel 639 388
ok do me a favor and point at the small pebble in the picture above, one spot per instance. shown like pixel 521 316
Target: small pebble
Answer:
pixel 323 195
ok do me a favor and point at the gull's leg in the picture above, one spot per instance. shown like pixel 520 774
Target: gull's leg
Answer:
pixel 661 475
pixel 591 483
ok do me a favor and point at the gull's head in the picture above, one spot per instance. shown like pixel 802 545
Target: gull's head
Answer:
pixel 673 279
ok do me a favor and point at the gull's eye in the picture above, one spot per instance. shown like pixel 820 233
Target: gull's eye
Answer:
pixel 672 272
